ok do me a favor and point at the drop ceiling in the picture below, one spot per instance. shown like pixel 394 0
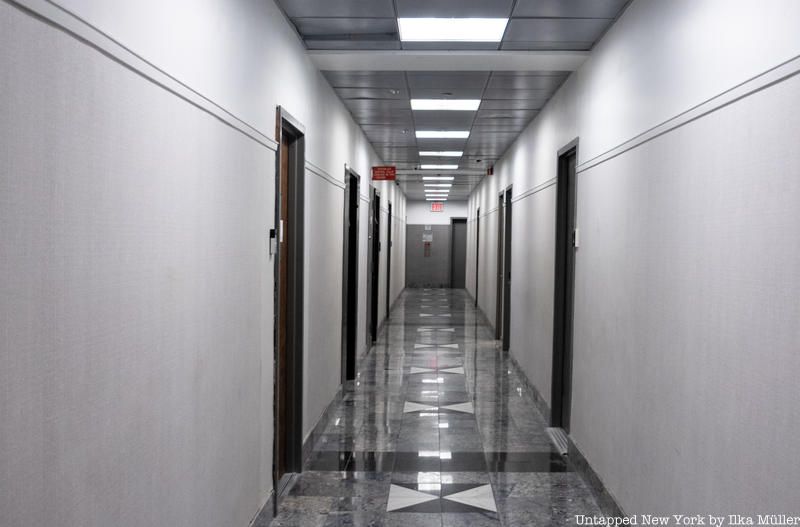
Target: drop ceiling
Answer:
pixel 380 100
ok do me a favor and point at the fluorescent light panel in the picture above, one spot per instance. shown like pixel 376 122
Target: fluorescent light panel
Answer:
pixel 468 105
pixel 447 153
pixel 452 29
pixel 440 185
pixel 436 199
pixel 438 167
pixel 438 178
pixel 442 134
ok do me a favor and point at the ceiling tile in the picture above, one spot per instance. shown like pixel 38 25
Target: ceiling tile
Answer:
pixel 442 81
pixel 536 95
pixel 554 30
pixel 454 8
pixel 366 79
pixel 443 120
pixel 546 46
pixel 375 105
pixel 345 26
pixel 569 8
pixel 510 104
pixel 373 93
pixel 501 81
pixel 502 115
pixel 338 8
pixel 321 44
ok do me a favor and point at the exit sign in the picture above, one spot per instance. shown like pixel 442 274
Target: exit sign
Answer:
pixel 437 206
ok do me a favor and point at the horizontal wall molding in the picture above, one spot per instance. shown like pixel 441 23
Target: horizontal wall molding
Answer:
pixel 322 174
pixel 60 18
pixel 538 188
pixel 749 87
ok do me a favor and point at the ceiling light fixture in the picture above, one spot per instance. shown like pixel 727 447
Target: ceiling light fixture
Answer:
pixel 446 153
pixel 435 199
pixel 452 29
pixel 469 105
pixel 442 134
pixel 439 167
pixel 438 185
pixel 438 178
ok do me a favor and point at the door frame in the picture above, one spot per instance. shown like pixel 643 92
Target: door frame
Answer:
pixel 507 245
pixel 498 317
pixel 564 291
pixel 373 264
pixel 453 221
pixel 388 259
pixel 350 252
pixel 477 252
pixel 287 128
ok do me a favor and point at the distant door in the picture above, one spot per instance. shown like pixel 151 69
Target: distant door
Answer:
pixel 289 298
pixel 507 271
pixel 389 261
pixel 564 289
pixel 350 277
pixel 458 254
pixel 501 229
pixel 373 264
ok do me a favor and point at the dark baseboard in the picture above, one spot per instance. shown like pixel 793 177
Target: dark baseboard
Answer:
pixel 483 316
pixel 541 404
pixel 322 423
pixel 608 504
pixel 265 515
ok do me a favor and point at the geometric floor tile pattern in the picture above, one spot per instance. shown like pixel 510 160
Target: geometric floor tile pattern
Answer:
pixel 437 430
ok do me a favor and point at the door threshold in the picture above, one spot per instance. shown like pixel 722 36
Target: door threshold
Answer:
pixel 559 438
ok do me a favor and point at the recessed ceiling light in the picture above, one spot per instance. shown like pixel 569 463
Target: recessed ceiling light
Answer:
pixel 442 134
pixel 435 199
pixel 447 153
pixel 438 167
pixel 452 29
pixel 437 192
pixel 469 105
pixel 440 185
pixel 438 178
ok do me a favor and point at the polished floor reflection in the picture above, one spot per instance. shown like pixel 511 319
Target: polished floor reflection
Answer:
pixel 437 430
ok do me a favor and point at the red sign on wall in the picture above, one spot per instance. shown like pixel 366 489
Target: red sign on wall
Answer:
pixel 384 173
pixel 437 206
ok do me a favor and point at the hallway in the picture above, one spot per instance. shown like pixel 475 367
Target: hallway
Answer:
pixel 439 429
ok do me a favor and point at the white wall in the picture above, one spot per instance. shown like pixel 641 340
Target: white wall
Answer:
pixel 419 212
pixel 686 287
pixel 136 321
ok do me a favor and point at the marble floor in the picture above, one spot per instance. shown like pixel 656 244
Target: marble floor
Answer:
pixel 437 430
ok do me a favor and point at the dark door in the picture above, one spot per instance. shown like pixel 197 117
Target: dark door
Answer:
pixel 374 264
pixel 477 253
pixel 507 271
pixel 501 228
pixel 350 277
pixel 389 260
pixel 564 289
pixel 458 254
pixel 289 297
